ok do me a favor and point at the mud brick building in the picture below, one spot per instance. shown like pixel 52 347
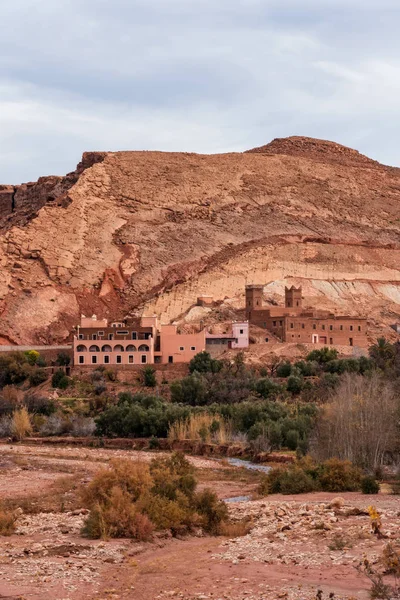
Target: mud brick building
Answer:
pixel 293 323
pixel 143 341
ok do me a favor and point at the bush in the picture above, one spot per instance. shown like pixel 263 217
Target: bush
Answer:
pixel 203 363
pixel 100 388
pixel 110 375
pixel 39 404
pixel 32 356
pixel 213 511
pixel 83 426
pixel 117 517
pixel 323 356
pixel 60 380
pixel 339 476
pixel 130 499
pixel 369 485
pixel 287 481
pixel 284 369
pixel 54 425
pixel 5 427
pixel 21 424
pixel 294 385
pixel 63 359
pixel 149 377
pixel 7 521
pixel 37 377
pixel 132 477
pixel 14 368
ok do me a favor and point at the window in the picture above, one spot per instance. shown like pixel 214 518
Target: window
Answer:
pixel 122 332
pixel 94 360
pixel 134 335
pixel 341 328
pixel 274 323
pixel 265 323
pixel 147 336
pixel 314 326
pixel 119 348
pixel 241 331
pixel 106 360
pixel 94 336
pixel 291 325
pixel 331 327
pixel 331 341
pixel 101 333
pixel 323 327
pixel 350 341
pixel 144 359
pixel 81 336
pixel 106 348
pixel 281 323
pixel 110 336
pixel 170 359
pixel 119 360
pixel 131 348
pixel 130 359
pixel 302 325
pixel 267 339
pixel 351 327
pixel 81 360
pixel 81 348
pixel 193 348
pixel 359 328
pixel 144 348
pixel 181 348
pixel 94 349
pixel 299 335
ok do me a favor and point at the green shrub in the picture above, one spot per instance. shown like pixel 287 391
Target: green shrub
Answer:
pixel 322 356
pixel 369 485
pixel 63 359
pixel 149 377
pixel 213 511
pixel 37 377
pixel 295 385
pixel 60 380
pixel 32 356
pixel 203 363
pixel 293 480
pixel 284 369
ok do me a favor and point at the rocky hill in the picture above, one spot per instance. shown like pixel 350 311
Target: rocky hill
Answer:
pixel 129 231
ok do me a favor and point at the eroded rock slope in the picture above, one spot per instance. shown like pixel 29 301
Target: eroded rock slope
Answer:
pixel 153 230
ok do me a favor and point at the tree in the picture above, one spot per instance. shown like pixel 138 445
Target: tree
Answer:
pixel 360 423
pixel 382 353
pixel 63 359
pixel 203 363
pixel 149 377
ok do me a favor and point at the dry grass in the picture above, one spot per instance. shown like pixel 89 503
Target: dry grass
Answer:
pixel 8 520
pixel 234 529
pixel 202 427
pixel 21 424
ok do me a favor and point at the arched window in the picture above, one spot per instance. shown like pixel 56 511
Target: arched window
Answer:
pixel 81 348
pixel 131 348
pixel 118 348
pixel 106 348
pixel 144 348
pixel 94 349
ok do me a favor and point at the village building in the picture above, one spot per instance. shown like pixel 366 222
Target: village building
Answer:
pixel 143 341
pixel 293 323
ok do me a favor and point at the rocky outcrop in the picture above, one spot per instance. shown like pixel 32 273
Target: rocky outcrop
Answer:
pixel 19 204
pixel 129 231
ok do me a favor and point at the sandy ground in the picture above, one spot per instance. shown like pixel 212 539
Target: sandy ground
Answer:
pixel 289 553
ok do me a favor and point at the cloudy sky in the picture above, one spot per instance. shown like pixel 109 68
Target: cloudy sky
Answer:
pixel 193 75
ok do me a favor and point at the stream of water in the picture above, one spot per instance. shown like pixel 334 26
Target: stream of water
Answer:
pixel 246 464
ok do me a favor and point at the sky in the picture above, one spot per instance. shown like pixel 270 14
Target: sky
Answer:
pixel 203 76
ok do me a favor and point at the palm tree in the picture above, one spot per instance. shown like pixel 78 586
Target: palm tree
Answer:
pixel 382 353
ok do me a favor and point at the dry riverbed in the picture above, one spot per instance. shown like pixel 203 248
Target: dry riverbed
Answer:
pixel 297 545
